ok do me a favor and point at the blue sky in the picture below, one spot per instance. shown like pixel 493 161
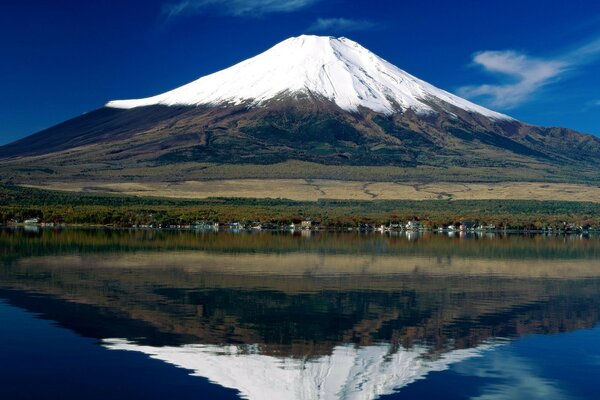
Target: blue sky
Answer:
pixel 538 61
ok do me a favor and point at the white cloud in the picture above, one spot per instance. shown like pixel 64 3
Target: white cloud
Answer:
pixel 524 75
pixel 509 377
pixel 336 25
pixel 528 75
pixel 237 8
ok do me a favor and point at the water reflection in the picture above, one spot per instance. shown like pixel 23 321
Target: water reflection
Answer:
pixel 349 372
pixel 307 317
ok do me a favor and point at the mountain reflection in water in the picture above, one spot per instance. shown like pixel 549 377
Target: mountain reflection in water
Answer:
pixel 349 372
pixel 289 316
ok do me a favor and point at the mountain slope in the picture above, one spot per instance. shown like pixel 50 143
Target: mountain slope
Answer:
pixel 321 100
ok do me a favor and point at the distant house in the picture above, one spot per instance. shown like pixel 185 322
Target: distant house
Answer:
pixel 236 226
pixel 32 221
pixel 308 224
pixel 413 225
pixel 468 225
pixel 570 226
pixel 488 227
pixel 395 226
pixel 382 228
pixel 365 228
pixel 205 225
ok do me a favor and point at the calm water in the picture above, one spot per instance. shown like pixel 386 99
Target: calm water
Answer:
pixel 101 314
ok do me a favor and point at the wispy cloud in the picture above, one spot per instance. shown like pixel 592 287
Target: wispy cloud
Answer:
pixel 337 25
pixel 591 105
pixel 509 376
pixel 528 75
pixel 523 75
pixel 237 8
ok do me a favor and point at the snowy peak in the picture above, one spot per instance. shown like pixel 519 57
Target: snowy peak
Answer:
pixel 337 69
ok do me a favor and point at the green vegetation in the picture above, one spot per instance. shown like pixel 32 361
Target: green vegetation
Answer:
pixel 18 203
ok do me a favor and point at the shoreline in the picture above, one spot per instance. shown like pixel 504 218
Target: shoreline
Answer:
pixel 446 232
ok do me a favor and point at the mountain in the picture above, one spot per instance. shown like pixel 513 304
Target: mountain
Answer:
pixel 314 107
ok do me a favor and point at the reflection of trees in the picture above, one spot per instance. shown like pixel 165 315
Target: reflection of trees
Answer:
pixel 299 316
pixel 14 243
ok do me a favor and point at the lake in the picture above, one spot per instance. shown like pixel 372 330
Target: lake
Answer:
pixel 148 314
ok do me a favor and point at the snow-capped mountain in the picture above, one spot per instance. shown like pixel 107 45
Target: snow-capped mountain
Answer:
pixel 322 100
pixel 338 69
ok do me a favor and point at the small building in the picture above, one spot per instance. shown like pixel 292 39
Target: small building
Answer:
pixel 413 225
pixel 486 227
pixel 395 226
pixel 365 227
pixel 585 228
pixel 236 226
pixel 382 228
pixel 468 225
pixel 205 225
pixel 308 224
pixel 32 221
pixel 570 227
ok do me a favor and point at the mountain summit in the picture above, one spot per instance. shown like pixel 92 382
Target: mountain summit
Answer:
pixel 308 108
pixel 338 69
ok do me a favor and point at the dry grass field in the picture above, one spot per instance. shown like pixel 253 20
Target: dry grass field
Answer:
pixel 314 189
